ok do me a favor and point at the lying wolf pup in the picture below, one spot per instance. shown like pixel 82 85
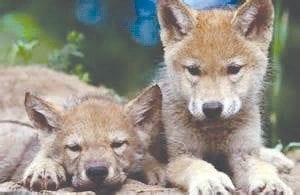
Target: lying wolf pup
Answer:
pixel 94 141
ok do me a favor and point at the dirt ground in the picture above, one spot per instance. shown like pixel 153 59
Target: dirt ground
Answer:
pixel 133 187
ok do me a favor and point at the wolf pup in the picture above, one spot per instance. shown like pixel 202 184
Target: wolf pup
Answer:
pixel 94 140
pixel 216 62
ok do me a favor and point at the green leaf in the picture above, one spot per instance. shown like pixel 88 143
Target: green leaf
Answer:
pixel 75 37
pixel 22 49
pixel 292 146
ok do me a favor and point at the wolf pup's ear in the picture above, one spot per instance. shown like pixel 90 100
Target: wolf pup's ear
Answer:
pixel 43 115
pixel 175 19
pixel 146 110
pixel 254 20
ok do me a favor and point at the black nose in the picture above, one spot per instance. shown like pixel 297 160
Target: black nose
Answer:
pixel 212 110
pixel 97 173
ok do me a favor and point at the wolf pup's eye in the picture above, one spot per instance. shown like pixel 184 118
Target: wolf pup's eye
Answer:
pixel 74 148
pixel 193 70
pixel 233 69
pixel 118 144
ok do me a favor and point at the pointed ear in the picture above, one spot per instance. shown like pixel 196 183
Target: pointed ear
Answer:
pixel 43 115
pixel 146 109
pixel 175 19
pixel 254 20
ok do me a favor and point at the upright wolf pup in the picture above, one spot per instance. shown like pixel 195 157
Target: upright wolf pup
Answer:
pixel 216 62
pixel 94 140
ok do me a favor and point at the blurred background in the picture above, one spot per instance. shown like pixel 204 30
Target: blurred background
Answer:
pixel 116 43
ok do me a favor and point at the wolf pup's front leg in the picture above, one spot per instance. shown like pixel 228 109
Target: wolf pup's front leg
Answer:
pixel 44 174
pixel 198 177
pixel 256 176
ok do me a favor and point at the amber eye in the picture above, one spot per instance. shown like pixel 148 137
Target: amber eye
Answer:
pixel 118 144
pixel 74 147
pixel 193 70
pixel 233 69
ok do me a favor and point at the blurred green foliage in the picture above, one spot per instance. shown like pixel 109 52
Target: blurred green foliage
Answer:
pixel 23 50
pixel 62 59
pixel 284 97
pixel 21 24
pixel 279 43
pixel 23 41
pixel 111 55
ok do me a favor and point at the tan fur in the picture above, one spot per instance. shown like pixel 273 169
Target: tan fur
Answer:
pixel 55 86
pixel 212 41
pixel 90 118
pixel 19 143
pixel 93 126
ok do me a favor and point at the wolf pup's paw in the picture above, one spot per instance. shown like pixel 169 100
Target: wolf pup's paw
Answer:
pixel 210 182
pixel 44 175
pixel 276 158
pixel 268 185
pixel 156 175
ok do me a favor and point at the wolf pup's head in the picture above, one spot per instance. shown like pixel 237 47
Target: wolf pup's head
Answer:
pixel 216 59
pixel 97 140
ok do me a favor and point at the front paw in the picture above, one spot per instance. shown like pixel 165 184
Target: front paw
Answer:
pixel 210 182
pixel 268 185
pixel 44 175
